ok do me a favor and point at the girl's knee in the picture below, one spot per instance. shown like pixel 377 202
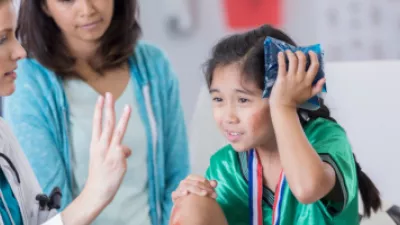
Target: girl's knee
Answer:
pixel 196 210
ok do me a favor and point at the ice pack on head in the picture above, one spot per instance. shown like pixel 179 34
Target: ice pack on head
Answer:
pixel 272 47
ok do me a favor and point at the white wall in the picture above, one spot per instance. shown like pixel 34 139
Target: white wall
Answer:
pixel 364 97
pixel 306 21
pixel 186 54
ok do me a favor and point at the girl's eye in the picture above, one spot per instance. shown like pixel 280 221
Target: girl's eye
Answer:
pixel 216 99
pixel 243 100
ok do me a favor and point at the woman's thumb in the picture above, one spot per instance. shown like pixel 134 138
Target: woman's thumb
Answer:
pixel 125 151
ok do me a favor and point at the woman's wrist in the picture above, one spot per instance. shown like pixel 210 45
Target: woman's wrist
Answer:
pixel 91 196
pixel 84 209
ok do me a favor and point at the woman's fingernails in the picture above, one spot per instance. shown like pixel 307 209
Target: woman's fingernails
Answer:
pixel 108 97
pixel 99 99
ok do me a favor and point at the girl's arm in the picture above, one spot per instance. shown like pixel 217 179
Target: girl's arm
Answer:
pixel 309 178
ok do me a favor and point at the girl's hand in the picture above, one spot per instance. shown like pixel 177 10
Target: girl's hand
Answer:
pixel 108 157
pixel 294 86
pixel 195 185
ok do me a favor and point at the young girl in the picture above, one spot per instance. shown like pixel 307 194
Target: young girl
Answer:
pixel 78 49
pixel 284 165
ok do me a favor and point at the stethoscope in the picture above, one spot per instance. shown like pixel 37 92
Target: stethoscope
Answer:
pixel 53 201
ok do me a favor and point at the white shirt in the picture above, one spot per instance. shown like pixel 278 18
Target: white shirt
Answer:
pixel 131 204
pixel 15 165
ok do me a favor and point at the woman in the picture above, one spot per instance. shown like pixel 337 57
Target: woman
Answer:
pixel 284 165
pixel 78 49
pixel 21 199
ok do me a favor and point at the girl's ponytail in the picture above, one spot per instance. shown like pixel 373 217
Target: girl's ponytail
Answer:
pixel 369 192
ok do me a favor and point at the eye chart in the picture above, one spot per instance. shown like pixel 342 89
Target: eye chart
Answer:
pixel 359 29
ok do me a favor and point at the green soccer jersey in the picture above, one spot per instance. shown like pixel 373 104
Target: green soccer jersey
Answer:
pixel 230 169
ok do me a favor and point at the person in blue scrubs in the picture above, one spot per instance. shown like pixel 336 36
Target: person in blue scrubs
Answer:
pixel 8 196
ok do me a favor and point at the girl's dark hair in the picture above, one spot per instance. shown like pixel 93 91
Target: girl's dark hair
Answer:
pixel 247 49
pixel 42 38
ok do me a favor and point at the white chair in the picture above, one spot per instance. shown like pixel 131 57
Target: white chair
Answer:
pixel 205 138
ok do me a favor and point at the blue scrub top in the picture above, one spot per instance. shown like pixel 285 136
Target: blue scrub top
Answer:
pixel 11 201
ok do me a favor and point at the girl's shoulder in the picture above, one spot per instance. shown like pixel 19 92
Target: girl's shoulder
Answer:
pixel 322 128
pixel 225 167
pixel 225 161
pixel 329 138
pixel 226 153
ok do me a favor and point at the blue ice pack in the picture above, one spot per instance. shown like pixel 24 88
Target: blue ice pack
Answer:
pixel 272 47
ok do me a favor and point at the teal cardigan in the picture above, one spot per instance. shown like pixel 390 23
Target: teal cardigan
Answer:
pixel 38 114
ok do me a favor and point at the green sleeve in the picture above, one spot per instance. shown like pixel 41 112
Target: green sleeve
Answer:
pixel 332 144
pixel 231 188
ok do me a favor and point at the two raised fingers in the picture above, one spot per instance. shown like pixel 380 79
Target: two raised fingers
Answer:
pixel 107 134
pixel 121 127
pixel 109 125
pixel 98 119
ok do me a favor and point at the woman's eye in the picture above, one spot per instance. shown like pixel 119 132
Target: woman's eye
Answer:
pixel 3 38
